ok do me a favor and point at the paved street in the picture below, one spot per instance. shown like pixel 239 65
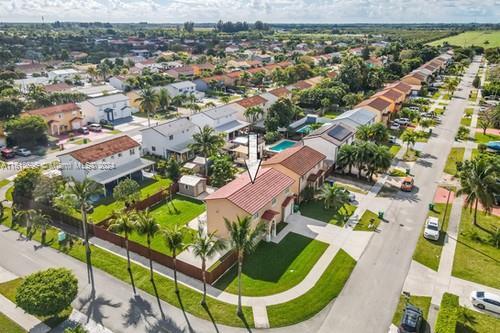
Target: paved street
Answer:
pixel 370 297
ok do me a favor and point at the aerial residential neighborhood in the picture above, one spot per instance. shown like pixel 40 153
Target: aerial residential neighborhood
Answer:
pixel 163 169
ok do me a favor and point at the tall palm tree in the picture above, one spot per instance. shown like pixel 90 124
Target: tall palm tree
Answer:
pixel 333 196
pixel 363 154
pixel 148 101
pixel 26 216
pixel 163 99
pixel 253 113
pixel 80 194
pixel 364 132
pixel 174 239
pixel 243 240
pixel 41 221
pixel 410 137
pixel 205 247
pixel 147 226
pixel 103 69
pixel 92 72
pixel 124 223
pixel 206 142
pixel 347 156
pixel 380 160
pixel 478 180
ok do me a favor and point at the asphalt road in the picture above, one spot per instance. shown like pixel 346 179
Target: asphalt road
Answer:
pixel 369 299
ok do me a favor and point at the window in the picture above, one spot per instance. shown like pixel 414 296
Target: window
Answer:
pixel 274 201
pixel 132 151
pixel 255 216
pixel 119 154
pixel 153 148
pixel 287 190
pixel 186 187
pixel 171 137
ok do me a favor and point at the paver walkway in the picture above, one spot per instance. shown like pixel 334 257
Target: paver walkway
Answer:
pixel 26 321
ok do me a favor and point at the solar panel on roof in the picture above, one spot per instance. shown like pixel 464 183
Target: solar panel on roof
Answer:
pixel 339 133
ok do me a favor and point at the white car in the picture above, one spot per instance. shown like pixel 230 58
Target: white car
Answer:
pixel 23 152
pixel 395 126
pixel 431 230
pixel 485 301
pixel 402 121
pixel 95 127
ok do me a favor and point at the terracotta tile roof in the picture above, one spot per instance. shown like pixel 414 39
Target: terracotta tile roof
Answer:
pixel 377 103
pixel 401 86
pixel 234 75
pixel 269 214
pixel 298 159
pixel 332 74
pixel 392 94
pixel 280 92
pixel 48 111
pixel 252 101
pixel 251 197
pixel 56 87
pixel 302 85
pixel 104 149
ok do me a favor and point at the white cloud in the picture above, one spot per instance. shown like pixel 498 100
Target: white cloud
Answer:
pixel 311 11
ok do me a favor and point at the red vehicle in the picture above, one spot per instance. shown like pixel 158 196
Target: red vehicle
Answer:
pixel 7 153
pixel 407 184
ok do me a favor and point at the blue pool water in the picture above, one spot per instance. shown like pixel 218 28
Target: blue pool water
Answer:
pixel 285 144
pixel 494 145
pixel 304 129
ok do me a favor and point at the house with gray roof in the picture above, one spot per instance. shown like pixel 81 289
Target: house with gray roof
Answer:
pixel 355 118
pixel 114 109
pixel 228 119
pixel 329 138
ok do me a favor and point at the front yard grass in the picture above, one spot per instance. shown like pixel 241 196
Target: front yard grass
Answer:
pixel 180 211
pixel 116 266
pixel 315 209
pixel 465 121
pixel 428 252
pixel 394 149
pixel 369 221
pixel 274 268
pixel 4 182
pixel 456 155
pixel 473 96
pixel 105 207
pixel 476 257
pixel 411 155
pixel 9 326
pixel 421 302
pixel 324 291
pixel 479 137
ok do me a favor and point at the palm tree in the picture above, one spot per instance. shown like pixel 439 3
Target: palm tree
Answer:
pixel 206 142
pixel 347 156
pixel 380 160
pixel 363 154
pixel 163 99
pixel 410 137
pixel 253 113
pixel 478 180
pixel 148 101
pixel 41 221
pixel 243 240
pixel 174 239
pixel 147 226
pixel 209 105
pixel 124 223
pixel 80 194
pixel 26 216
pixel 205 247
pixel 92 72
pixel 333 196
pixel 364 132
pixel 103 69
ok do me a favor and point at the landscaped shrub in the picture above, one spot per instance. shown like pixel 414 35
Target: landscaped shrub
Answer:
pixel 448 314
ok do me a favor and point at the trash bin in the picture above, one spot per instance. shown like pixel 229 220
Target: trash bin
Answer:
pixel 431 206
pixel 430 131
pixel 407 171
pixel 61 236
pixel 295 208
pixel 381 215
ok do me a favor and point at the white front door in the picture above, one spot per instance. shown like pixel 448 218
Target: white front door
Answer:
pixel 288 210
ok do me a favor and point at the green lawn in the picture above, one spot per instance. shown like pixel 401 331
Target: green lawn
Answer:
pixel 456 155
pixel 439 111
pixel 473 96
pixel 436 95
pixel 9 289
pixel 9 326
pixel 180 211
pixel 465 121
pixel 105 207
pixel 351 188
pixel 324 291
pixel 485 138
pixel 274 268
pixel 4 182
pixel 316 209
pixel 367 218
pixel 468 38
pixel 394 149
pixel 476 258
pixel 469 112
pixel 421 302
pixel 8 194
pixel 428 252
pixel 411 155
pixel 116 266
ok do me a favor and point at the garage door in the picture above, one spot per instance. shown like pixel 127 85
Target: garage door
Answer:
pixel 288 210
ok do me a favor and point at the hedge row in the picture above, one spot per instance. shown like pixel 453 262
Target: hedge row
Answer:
pixel 448 314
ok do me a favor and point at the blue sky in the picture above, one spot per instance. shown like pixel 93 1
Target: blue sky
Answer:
pixel 277 11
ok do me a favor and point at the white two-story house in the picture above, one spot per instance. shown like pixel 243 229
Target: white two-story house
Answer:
pixel 183 88
pixel 106 162
pixel 171 139
pixel 228 119
pixel 112 108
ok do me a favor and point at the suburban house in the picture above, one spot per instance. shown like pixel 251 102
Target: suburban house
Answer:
pixel 62 74
pixel 273 95
pixel 111 108
pixel 415 80
pixel 60 118
pixel 253 101
pixel 394 96
pixel 97 91
pixel 183 88
pixel 303 164
pixel 401 87
pixel 381 107
pixel 355 118
pixel 106 162
pixel 170 139
pixel 228 119
pixel 328 138
pixel 269 199
pixel 118 82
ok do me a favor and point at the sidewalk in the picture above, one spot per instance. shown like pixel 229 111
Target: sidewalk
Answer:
pixel 26 321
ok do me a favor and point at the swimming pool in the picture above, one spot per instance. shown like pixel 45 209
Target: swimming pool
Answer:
pixel 304 129
pixel 282 145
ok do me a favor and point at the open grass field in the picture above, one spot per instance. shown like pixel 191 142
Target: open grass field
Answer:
pixel 324 291
pixel 9 326
pixel 428 252
pixel 274 268
pixel 476 257
pixel 484 38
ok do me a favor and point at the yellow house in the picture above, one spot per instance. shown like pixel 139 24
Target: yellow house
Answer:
pixel 60 118
pixel 268 199
pixel 303 164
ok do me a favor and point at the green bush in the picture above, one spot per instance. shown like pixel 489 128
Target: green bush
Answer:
pixel 448 314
